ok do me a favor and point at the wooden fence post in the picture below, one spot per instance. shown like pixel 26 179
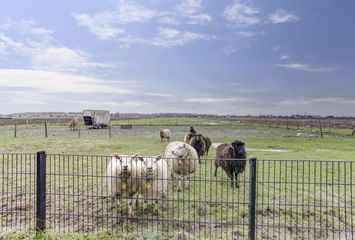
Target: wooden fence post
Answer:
pixel 287 123
pixel 45 129
pixel 15 131
pixel 320 127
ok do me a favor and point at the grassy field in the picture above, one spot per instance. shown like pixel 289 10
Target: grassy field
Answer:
pixel 315 194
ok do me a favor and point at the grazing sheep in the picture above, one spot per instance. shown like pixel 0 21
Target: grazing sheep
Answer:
pixel 197 142
pixel 208 144
pixel 187 137
pixel 123 175
pixel 73 124
pixel 154 180
pixel 228 156
pixel 182 159
pixel 165 134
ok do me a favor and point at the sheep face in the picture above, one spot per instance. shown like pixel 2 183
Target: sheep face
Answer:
pixel 239 149
pixel 125 165
pixel 180 151
pixel 149 169
pixel 198 138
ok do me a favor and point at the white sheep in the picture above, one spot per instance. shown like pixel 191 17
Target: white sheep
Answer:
pixel 182 159
pixel 154 180
pixel 165 134
pixel 123 176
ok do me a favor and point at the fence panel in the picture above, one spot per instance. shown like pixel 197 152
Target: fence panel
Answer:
pixel 18 192
pixel 305 199
pixel 78 201
pixel 295 199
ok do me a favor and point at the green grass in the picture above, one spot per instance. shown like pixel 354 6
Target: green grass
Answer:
pixel 167 121
pixel 294 182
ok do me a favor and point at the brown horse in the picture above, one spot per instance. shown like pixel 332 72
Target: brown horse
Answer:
pixel 73 124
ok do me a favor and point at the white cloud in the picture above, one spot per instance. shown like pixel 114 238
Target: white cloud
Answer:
pixel 56 82
pixel 108 24
pixel 125 104
pixel 205 100
pixel 112 25
pixel 189 6
pixel 102 104
pixel 282 16
pixel 313 101
pixel 284 57
pixel 25 27
pixel 199 19
pixel 168 37
pixel 241 13
pixel 192 10
pixel 229 50
pixel 159 94
pixel 128 11
pixel 63 59
pixel 246 33
pixel 42 55
pixel 305 67
pixel 169 20
pixel 28 98
pixel 9 44
pixel 99 24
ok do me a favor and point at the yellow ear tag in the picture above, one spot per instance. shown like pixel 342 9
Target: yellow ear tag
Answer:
pixel 147 185
pixel 124 186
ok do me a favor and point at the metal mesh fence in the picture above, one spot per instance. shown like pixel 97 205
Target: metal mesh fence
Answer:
pixel 295 199
pixel 18 191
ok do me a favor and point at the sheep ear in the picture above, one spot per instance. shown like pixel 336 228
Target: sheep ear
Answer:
pixel 116 156
pixel 158 158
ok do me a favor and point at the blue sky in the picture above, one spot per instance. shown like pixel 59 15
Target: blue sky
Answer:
pixel 197 56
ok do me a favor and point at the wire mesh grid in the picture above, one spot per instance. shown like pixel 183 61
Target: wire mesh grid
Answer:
pixel 305 199
pixel 295 199
pixel 80 199
pixel 18 191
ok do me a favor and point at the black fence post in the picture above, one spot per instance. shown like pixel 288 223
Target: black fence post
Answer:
pixel 252 199
pixel 41 192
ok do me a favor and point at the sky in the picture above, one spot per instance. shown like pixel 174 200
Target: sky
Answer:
pixel 186 56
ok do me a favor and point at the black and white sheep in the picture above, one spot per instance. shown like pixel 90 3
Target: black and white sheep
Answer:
pixel 165 134
pixel 232 159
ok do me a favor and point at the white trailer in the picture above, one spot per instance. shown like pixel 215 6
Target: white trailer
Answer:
pixel 96 118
